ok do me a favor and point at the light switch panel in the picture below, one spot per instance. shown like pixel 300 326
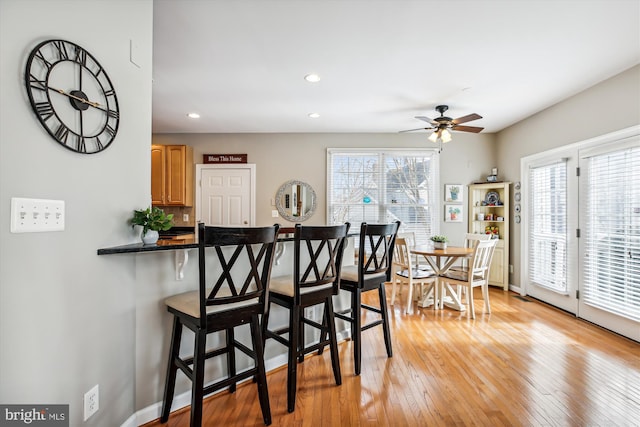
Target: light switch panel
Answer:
pixel 36 215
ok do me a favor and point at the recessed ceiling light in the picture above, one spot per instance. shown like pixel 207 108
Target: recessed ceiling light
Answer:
pixel 313 78
pixel 314 115
pixel 193 115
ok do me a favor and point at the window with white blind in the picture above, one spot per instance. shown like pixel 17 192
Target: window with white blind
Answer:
pixel 548 226
pixel 379 186
pixel 612 233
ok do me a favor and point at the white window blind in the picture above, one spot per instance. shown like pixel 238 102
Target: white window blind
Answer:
pixel 548 226
pixel 612 235
pixel 384 186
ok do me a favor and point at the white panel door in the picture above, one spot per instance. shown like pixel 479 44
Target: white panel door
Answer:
pixel 226 195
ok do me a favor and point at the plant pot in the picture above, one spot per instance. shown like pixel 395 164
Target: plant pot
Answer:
pixel 150 237
pixel 440 245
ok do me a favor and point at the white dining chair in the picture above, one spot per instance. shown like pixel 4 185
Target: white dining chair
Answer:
pixel 476 275
pixel 406 271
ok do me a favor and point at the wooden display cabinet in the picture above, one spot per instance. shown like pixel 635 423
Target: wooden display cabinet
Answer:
pixel 171 175
pixel 489 213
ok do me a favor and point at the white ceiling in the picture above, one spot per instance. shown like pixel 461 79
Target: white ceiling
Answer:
pixel 241 63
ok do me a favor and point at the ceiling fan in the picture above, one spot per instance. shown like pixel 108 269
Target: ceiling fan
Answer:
pixel 442 125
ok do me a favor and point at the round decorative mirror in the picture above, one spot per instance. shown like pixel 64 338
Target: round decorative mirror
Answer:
pixel 296 201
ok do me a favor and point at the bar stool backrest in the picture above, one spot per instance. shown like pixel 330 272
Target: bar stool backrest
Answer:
pixel 239 259
pixel 377 242
pixel 318 256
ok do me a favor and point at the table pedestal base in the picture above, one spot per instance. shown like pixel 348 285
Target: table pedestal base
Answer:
pixel 448 297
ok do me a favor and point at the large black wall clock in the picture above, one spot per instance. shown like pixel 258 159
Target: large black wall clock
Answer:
pixel 72 96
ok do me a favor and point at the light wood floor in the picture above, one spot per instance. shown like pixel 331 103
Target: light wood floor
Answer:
pixel 526 364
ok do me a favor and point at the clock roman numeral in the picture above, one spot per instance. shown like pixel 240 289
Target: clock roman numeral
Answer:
pixel 111 131
pixel 81 56
pixel 113 114
pixel 46 63
pixel 44 110
pixel 109 92
pixel 99 146
pixel 81 145
pixel 37 84
pixel 62 49
pixel 62 133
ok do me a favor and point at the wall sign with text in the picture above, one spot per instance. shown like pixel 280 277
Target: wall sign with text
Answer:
pixel 225 158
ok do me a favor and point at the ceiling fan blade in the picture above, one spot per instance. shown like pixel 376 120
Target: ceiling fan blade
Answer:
pixel 474 129
pixel 411 130
pixel 466 118
pixel 427 119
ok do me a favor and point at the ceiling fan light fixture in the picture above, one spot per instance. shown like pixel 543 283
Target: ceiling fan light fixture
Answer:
pixel 445 136
pixel 433 137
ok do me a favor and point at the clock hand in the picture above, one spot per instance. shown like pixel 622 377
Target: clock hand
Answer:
pixel 84 101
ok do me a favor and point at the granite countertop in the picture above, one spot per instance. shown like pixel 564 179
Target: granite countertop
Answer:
pixel 178 238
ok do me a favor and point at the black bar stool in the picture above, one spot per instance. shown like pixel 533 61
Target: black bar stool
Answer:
pixel 239 260
pixel 375 259
pixel 318 254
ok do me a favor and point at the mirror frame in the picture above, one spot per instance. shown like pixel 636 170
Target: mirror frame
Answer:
pixel 284 189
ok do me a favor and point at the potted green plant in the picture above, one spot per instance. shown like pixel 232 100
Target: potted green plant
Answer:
pixel 439 242
pixel 152 220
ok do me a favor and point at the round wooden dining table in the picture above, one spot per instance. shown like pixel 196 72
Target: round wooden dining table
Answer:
pixel 440 260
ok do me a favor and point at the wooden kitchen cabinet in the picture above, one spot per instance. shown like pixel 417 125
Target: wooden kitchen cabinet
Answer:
pixel 171 175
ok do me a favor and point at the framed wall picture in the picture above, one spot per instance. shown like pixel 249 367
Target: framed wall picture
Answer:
pixel 453 193
pixel 453 213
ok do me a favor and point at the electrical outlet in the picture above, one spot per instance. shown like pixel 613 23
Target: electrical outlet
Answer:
pixel 274 214
pixel 511 268
pixel 185 217
pixel 35 215
pixel 91 402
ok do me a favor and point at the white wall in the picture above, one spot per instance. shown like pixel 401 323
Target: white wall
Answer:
pixel 609 106
pixel 67 316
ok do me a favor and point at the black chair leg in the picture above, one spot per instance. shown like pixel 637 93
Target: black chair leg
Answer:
pixel 292 369
pixel 323 332
pixel 356 329
pixel 333 343
pixel 197 392
pixel 231 357
pixel 385 319
pixel 261 376
pixel 264 323
pixel 172 369
pixel 301 336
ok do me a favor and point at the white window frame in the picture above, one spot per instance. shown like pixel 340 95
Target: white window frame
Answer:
pixel 434 202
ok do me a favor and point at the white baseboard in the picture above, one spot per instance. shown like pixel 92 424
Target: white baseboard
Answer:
pixel 152 412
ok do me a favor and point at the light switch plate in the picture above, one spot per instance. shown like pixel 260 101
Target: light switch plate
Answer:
pixel 36 215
